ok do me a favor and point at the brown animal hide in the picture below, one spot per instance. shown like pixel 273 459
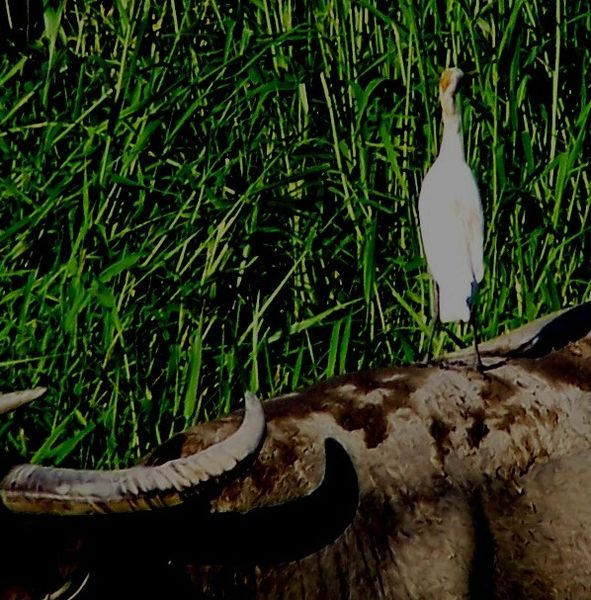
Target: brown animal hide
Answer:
pixel 404 482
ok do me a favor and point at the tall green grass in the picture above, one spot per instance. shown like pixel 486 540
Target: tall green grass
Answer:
pixel 200 198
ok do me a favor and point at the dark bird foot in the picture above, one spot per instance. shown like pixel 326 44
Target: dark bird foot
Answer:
pixel 482 368
pixel 448 365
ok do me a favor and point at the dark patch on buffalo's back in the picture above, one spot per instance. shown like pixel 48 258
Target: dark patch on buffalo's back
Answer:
pixel 345 398
pixel 513 414
pixel 497 390
pixel 402 380
pixel 547 417
pixel 478 430
pixel 364 381
pixel 370 417
pixel 350 413
pixel 440 431
pixel 399 394
pixel 324 396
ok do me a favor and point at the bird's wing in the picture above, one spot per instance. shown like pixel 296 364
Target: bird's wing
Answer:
pixel 469 213
pixel 444 241
pixel 451 223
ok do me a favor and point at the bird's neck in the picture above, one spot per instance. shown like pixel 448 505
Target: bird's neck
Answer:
pixel 452 145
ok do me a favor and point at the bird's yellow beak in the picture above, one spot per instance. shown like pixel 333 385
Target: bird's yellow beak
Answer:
pixel 450 77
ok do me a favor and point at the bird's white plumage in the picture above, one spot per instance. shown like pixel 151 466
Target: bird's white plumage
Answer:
pixel 450 215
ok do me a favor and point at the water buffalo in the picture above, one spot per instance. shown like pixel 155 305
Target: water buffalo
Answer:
pixel 424 481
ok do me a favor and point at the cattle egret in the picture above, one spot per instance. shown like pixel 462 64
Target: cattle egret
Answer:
pixel 450 216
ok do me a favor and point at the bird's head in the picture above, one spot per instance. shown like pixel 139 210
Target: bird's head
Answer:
pixel 448 85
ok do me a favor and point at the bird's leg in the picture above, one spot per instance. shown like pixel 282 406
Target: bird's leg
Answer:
pixel 454 338
pixel 478 364
pixel 427 358
pixel 478 360
pixel 434 322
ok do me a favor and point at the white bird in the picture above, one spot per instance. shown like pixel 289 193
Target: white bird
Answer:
pixel 450 215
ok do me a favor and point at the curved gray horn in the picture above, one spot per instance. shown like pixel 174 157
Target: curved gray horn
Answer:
pixel 13 400
pixel 49 490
